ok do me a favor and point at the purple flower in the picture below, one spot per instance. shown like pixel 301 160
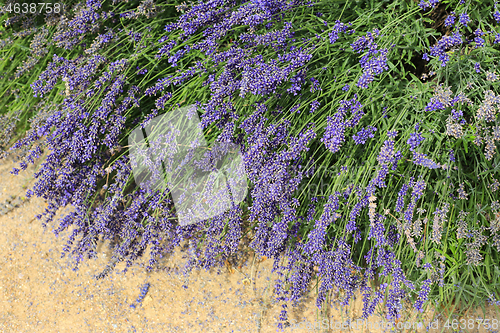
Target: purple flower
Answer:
pixel 415 140
pixel 493 300
pixel 336 126
pixel 141 71
pixel 450 20
pixel 377 230
pixel 364 134
pixel 423 295
pixel 351 224
pixel 464 18
pixel 335 270
pixel 392 134
pixel 370 63
pixel 424 5
pixel 417 192
pixel 496 16
pixel 386 153
pixel 365 79
pixel 334 134
pixel 497 39
pixel 456 115
pixel 397 157
pixel 445 43
pixel 316 237
pixel 421 159
pixel 400 203
pixel 338 28
pixel 477 67
pixel 452 155
pixel 315 86
pixel 314 106
pixel 434 105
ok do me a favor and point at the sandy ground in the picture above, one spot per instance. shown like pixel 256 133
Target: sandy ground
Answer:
pixel 39 291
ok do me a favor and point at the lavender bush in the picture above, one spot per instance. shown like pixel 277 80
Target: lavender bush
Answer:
pixel 368 131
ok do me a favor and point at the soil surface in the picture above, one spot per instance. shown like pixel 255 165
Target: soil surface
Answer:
pixel 39 291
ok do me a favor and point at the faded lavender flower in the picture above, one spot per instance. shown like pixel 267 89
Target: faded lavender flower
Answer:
pixel 491 76
pixel 439 219
pixel 461 192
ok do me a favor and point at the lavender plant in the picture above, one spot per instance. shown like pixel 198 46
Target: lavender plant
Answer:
pixel 368 132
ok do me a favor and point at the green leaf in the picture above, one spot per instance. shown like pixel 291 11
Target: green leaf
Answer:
pixel 487 260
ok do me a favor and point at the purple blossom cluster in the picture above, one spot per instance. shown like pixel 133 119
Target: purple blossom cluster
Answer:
pixel 444 44
pixel 415 140
pixel 337 29
pixel 478 40
pixel 314 106
pixel 144 291
pixel 374 61
pixel 400 204
pixel 334 135
pixel 423 160
pixel 92 136
pixel 364 134
pixel 252 79
pixel 450 20
pixel 424 5
pixel 439 220
pixel 418 188
pixel 463 18
pixel 496 16
pixel 477 67
pixel 423 295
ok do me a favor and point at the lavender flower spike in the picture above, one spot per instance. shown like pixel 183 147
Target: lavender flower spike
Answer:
pixel 171 155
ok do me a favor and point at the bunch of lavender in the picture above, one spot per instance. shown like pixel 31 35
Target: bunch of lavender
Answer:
pixel 144 291
pixel 342 143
